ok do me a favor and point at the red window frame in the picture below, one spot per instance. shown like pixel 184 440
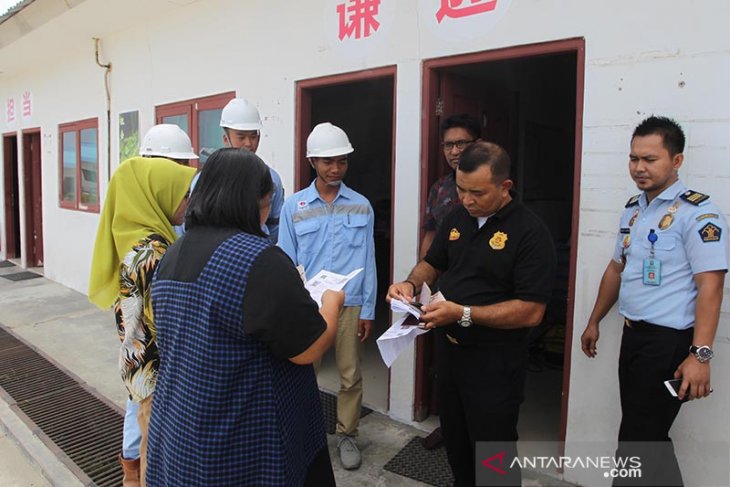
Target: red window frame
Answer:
pixel 190 108
pixel 78 126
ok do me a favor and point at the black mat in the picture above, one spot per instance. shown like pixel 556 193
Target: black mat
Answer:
pixel 417 463
pixel 21 276
pixel 329 408
pixel 6 263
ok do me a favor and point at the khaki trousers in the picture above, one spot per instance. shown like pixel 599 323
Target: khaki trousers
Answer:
pixel 143 418
pixel 347 357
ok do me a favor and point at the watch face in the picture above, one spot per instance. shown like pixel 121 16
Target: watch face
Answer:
pixel 704 353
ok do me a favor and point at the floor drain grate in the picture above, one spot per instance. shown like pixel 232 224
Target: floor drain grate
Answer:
pixel 329 408
pixel 428 466
pixel 87 430
pixel 21 276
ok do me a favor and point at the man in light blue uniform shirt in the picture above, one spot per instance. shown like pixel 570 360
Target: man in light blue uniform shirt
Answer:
pixel 328 226
pixel 668 273
pixel 241 123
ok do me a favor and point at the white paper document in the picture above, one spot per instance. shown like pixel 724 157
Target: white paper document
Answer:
pixel 402 333
pixel 325 280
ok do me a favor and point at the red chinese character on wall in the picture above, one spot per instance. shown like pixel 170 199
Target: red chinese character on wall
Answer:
pixel 27 105
pixel 454 9
pixel 10 110
pixel 358 17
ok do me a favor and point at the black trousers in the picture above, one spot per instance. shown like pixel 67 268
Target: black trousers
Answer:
pixel 649 355
pixel 480 389
pixel 319 473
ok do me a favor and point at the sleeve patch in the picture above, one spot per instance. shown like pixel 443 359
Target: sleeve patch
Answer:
pixel 625 230
pixel 706 216
pixel 710 233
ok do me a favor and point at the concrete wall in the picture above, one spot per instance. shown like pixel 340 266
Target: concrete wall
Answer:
pixel 641 58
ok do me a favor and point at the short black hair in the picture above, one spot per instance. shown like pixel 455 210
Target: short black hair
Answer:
pixel 462 120
pixel 671 133
pixel 483 153
pixel 228 192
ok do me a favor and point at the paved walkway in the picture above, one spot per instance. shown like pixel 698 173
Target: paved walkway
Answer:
pixel 62 324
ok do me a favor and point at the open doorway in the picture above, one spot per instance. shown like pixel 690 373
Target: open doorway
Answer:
pixel 12 197
pixel 32 185
pixel 529 100
pixel 363 105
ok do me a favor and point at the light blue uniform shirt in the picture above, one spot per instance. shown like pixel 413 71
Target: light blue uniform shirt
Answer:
pixel 336 237
pixel 695 241
pixel 277 201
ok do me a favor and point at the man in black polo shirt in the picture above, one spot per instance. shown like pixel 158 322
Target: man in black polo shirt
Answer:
pixel 495 262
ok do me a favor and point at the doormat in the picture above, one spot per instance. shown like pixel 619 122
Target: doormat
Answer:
pixel 329 408
pixel 6 263
pixel 427 466
pixel 21 276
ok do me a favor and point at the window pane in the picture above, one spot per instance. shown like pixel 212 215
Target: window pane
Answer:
pixel 89 167
pixel 179 120
pixel 210 134
pixel 68 185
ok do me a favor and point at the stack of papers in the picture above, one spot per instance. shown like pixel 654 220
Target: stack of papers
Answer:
pixel 325 280
pixel 405 330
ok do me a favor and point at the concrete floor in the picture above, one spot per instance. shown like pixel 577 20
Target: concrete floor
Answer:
pixel 64 326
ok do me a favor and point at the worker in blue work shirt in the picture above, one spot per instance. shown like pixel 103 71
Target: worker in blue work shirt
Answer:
pixel 668 273
pixel 328 226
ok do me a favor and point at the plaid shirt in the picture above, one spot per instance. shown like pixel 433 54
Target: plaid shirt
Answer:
pixel 227 412
pixel 442 198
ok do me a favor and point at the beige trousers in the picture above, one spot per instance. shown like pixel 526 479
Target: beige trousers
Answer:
pixel 347 357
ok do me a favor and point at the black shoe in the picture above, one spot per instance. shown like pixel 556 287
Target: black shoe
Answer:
pixel 434 440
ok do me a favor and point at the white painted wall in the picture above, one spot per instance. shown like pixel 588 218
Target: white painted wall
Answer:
pixel 641 57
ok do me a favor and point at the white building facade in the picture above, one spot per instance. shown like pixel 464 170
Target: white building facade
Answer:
pixel 569 79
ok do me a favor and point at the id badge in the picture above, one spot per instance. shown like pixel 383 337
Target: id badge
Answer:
pixel 652 272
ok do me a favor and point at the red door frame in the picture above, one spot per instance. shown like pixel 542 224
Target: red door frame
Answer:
pixel 429 135
pixel 11 198
pixel 304 126
pixel 33 189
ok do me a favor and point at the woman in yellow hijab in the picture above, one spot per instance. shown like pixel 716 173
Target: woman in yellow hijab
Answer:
pixel 146 197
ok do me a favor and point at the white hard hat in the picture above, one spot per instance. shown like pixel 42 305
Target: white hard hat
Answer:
pixel 327 140
pixel 167 140
pixel 239 114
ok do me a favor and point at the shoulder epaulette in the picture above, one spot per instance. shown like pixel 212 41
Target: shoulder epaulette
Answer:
pixel 693 197
pixel 633 201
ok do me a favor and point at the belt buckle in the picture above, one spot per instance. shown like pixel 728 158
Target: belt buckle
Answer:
pixel 452 339
pixel 627 322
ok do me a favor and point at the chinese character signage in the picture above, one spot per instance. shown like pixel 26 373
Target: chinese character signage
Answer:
pixel 10 111
pixel 456 20
pixel 358 18
pixel 26 105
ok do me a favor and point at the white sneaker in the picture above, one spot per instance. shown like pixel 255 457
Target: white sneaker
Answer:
pixel 349 453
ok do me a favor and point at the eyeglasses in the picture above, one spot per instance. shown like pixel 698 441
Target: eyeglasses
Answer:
pixel 459 144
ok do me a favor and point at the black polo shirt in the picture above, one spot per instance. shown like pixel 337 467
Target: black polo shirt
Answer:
pixel 511 257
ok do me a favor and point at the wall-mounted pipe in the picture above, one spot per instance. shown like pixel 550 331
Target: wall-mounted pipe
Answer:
pixel 107 88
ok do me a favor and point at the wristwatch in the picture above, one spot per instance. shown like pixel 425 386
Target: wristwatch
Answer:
pixel 702 353
pixel 465 320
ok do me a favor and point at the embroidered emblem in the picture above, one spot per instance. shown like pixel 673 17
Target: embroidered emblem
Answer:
pixel 706 216
pixel 498 240
pixel 666 221
pixel 633 218
pixel 454 234
pixel 627 241
pixel 710 233
pixel 302 205
pixel 625 230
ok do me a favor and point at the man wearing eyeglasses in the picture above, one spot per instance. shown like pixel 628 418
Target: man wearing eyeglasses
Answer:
pixel 457 133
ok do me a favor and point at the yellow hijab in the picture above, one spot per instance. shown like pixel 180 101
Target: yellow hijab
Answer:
pixel 142 198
